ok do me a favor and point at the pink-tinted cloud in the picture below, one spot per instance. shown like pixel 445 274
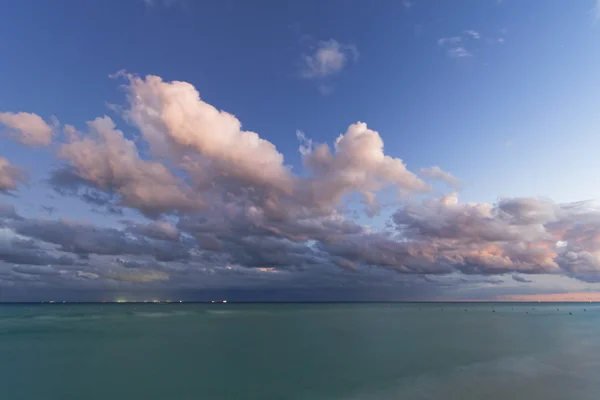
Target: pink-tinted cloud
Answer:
pixel 437 173
pixel 358 164
pixel 178 123
pixel 106 160
pixel 10 176
pixel 28 128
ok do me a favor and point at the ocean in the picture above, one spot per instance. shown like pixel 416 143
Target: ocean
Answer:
pixel 300 351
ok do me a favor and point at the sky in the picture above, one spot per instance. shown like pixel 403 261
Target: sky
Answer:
pixel 300 151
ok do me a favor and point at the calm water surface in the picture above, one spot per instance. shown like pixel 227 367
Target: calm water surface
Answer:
pixel 300 351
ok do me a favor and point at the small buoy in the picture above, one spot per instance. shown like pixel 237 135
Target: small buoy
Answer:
pixel 584 309
pixel 493 310
pixel 570 313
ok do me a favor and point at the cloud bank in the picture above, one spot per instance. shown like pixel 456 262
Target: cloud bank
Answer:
pixel 217 206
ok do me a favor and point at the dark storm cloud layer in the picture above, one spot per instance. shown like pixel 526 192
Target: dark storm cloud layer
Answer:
pixel 222 209
pixel 85 239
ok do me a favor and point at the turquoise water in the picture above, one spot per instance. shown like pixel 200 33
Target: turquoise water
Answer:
pixel 300 351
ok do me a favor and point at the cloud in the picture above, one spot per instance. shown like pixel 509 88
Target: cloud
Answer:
pixel 15 249
pixel 458 46
pixel 160 230
pixel 176 121
pixel 437 173
pixel 452 40
pixel 328 58
pixel 36 270
pixel 221 159
pixel 10 176
pixel 28 128
pixel 358 164
pixel 453 46
pixel 473 34
pixel 458 52
pixel 526 235
pixel 48 209
pixel 212 205
pixel 8 212
pixel 84 239
pixel 105 160
pixel 519 278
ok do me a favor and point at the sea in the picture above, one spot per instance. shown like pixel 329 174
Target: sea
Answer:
pixel 343 351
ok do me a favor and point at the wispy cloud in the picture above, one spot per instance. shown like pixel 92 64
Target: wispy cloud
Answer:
pixel 452 40
pixel 458 52
pixel 328 58
pixel 473 34
pixel 460 46
pixel 454 46
pixel 437 173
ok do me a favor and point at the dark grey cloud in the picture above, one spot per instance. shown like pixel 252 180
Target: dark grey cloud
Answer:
pixel 25 251
pixel 159 230
pixel 36 270
pixel 522 279
pixel 85 239
pixel 33 257
pixel 8 212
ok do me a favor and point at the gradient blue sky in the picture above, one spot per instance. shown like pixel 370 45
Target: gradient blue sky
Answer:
pixel 503 95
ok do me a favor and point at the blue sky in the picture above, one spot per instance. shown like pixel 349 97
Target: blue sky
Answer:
pixel 502 95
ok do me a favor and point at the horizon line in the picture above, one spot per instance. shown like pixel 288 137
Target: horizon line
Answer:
pixel 301 302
